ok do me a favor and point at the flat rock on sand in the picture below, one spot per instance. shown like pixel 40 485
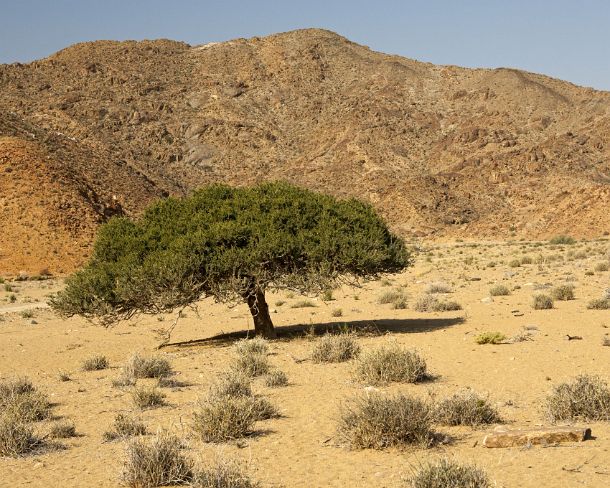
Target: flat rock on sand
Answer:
pixel 544 435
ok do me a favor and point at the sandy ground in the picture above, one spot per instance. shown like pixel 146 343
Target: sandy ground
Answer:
pixel 301 449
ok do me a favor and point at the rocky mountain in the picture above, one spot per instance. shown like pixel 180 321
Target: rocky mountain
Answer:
pixel 441 151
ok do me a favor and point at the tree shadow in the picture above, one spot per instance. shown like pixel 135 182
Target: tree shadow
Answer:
pixel 364 327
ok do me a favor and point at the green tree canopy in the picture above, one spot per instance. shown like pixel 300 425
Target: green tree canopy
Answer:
pixel 231 244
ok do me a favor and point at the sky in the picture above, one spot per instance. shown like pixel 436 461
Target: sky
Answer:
pixel 564 39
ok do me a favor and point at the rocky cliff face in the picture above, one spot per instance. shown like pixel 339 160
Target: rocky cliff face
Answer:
pixel 441 151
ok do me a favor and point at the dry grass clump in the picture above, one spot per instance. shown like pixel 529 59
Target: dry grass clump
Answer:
pixel 336 348
pixel 63 430
pixel 466 408
pixel 224 418
pixel 19 397
pixel 563 292
pixel 585 398
pixel 123 427
pixel 225 474
pixel 438 287
pixel 276 379
pixel 232 383
pixel 146 397
pixel 599 304
pixel 391 296
pixel 542 302
pixel 156 462
pixel 378 421
pixel 446 473
pixel 562 239
pixel 95 363
pixel 499 291
pixel 391 364
pixel 17 437
pixel 490 338
pixel 251 364
pixel 147 367
pixel 601 267
pixel 303 304
pixel 257 345
pixel 430 303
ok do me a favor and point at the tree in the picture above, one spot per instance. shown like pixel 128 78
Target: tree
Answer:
pixel 231 244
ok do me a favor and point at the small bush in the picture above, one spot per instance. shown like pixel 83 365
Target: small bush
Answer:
pixel 251 364
pixel 17 437
pixel 19 397
pixel 257 345
pixel 232 383
pixel 158 462
pixel 225 474
pixel 303 304
pixel 601 267
pixel 335 348
pixel 542 302
pixel 446 473
pixel 515 263
pixel 327 296
pixel 526 260
pixel 390 296
pixel 562 239
pixel 490 338
pixel 377 421
pixel 391 364
pixel 276 379
pixel 95 363
pixel 27 314
pixel 147 397
pixel 563 292
pixel 429 303
pixel 599 304
pixel 220 419
pixel 337 312
pixel 466 408
pixel 585 398
pixel 438 287
pixel 147 367
pixel 63 430
pixel 64 376
pixel 125 426
pixel 499 290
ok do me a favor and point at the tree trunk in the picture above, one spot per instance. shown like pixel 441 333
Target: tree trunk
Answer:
pixel 259 309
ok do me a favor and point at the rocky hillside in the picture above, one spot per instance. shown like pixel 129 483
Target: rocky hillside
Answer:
pixel 442 151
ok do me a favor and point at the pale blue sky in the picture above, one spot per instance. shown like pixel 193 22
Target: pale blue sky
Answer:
pixel 564 39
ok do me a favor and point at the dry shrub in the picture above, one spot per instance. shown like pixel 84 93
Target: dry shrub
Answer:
pixel 303 304
pixel 563 292
pixel 251 364
pixel 147 397
pixel 156 462
pixel 147 367
pixel 390 296
pixel 95 363
pixel 17 437
pixel 465 408
pixel 599 304
pixel 231 383
pixel 490 338
pixel 391 363
pixel 63 430
pixel 123 427
pixel 585 398
pixel 225 474
pixel 258 345
pixel 430 303
pixel 378 421
pixel 499 291
pixel 19 397
pixel 224 418
pixel 601 267
pixel 438 287
pixel 542 302
pixel 276 379
pixel 446 473
pixel 336 348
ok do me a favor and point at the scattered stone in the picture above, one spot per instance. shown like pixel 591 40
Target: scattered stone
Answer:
pixel 573 338
pixel 487 300
pixel 502 437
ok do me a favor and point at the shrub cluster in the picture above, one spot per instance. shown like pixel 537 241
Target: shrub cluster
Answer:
pixel 391 364
pixel 336 348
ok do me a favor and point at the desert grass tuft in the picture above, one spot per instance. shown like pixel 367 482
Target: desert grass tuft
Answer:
pixel 585 398
pixel 542 302
pixel 276 379
pixel 438 287
pixel 125 426
pixel 490 338
pixel 19 397
pixel 17 437
pixel 257 345
pixel 465 408
pixel 446 473
pixel 63 430
pixel 391 364
pixel 95 363
pixel 378 421
pixel 430 303
pixel 224 474
pixel 232 383
pixel 147 367
pixel 599 304
pixel 499 291
pixel 156 462
pixel 251 364
pixel 146 397
pixel 224 418
pixel 336 348
pixel 563 292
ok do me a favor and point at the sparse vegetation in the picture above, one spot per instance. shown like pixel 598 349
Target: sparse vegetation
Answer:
pixel 125 426
pixel 147 367
pixel 378 421
pixel 542 302
pixel 232 383
pixel 391 363
pixel 17 437
pixel 601 267
pixel 95 363
pixel 251 364
pixel 585 398
pixel 438 287
pixel 276 379
pixel 430 303
pixel 563 292
pixel 336 348
pixel 145 397
pixel 20 398
pixel 499 290
pixel 257 345
pixel 599 304
pixel 224 418
pixel 465 408
pixel 562 240
pixel 63 430
pixel 446 473
pixel 225 474
pixel 303 304
pixel 490 338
